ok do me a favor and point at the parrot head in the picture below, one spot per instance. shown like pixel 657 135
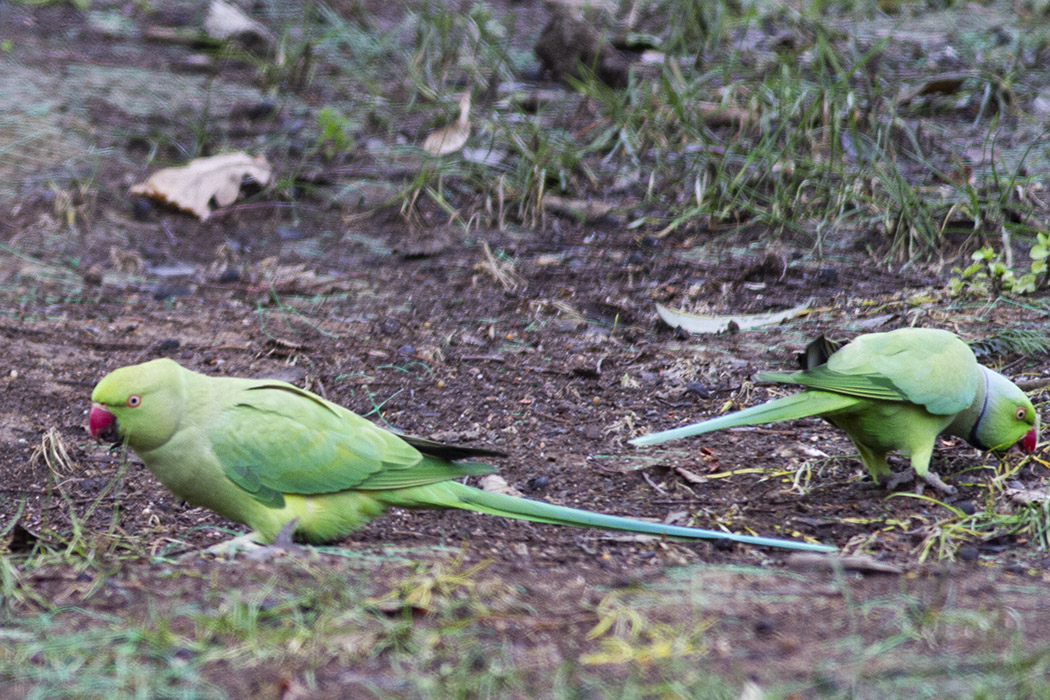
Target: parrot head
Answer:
pixel 138 404
pixel 1006 418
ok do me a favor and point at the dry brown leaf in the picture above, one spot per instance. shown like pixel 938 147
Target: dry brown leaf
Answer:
pixel 453 137
pixel 535 99
pixel 494 483
pixel 295 279
pixel 695 323
pixel 752 691
pixel 799 450
pixel 1025 496
pixel 689 476
pixel 582 209
pixel 225 21
pixel 946 84
pixel 127 261
pixel 548 259
pixel 173 35
pixel 715 114
pixel 192 186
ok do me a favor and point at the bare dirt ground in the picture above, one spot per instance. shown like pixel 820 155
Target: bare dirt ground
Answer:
pixel 401 321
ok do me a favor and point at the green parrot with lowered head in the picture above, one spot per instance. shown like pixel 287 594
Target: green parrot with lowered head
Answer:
pixel 273 456
pixel 894 392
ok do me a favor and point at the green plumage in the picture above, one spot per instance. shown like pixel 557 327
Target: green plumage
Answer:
pixel 893 392
pixel 266 453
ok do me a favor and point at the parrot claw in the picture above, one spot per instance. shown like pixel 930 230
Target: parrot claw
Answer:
pixel 897 478
pixel 249 546
pixel 935 481
pixel 228 549
pixel 908 475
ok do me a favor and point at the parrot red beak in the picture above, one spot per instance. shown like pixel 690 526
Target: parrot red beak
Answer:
pixel 102 424
pixel 1029 440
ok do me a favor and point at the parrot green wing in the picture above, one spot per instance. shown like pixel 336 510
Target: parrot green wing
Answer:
pixel 867 386
pixel 929 367
pixel 286 440
pixel 428 471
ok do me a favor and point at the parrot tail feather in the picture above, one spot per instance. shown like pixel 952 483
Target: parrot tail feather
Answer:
pixel 452 494
pixel 800 405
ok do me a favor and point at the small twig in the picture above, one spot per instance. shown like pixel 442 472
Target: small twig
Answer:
pixel 503 273
pixel 167 230
pixel 652 483
pixel 548 416
pixel 1019 360
pixel 547 370
pixel 482 358
pixel 607 470
pixel 1029 385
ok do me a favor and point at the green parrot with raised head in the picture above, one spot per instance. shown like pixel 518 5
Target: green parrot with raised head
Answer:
pixel 276 457
pixel 894 392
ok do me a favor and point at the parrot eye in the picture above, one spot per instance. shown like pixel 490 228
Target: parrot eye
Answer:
pixel 1020 413
pixel 134 400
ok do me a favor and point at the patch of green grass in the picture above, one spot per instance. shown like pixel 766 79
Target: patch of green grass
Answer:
pixel 902 645
pixel 1007 341
pixel 803 141
pixel 449 628
pixel 442 628
pixel 1004 513
pixel 47 657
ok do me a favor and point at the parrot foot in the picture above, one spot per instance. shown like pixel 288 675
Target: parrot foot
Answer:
pixel 228 549
pixel 935 481
pixel 897 478
pixel 908 476
pixel 249 547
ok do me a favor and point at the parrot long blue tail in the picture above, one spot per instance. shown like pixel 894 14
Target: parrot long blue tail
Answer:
pixel 800 405
pixel 470 498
